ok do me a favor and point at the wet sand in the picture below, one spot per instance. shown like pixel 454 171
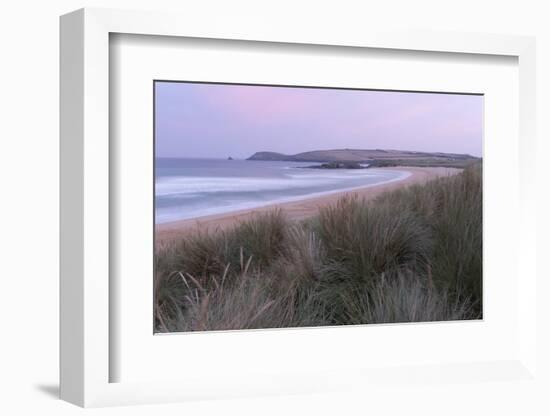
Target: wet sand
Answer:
pixel 296 210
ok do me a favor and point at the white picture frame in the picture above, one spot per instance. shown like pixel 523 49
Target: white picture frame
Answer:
pixel 86 355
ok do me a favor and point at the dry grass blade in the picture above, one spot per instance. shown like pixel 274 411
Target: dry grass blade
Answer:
pixel 196 282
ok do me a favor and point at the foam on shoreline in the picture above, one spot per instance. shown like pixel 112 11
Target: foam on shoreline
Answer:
pixel 274 201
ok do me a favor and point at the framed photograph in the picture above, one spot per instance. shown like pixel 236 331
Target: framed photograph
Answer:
pixel 334 207
pixel 262 211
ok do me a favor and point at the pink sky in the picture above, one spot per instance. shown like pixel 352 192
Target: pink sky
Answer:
pixel 221 120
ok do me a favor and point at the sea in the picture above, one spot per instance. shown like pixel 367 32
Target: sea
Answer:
pixel 192 188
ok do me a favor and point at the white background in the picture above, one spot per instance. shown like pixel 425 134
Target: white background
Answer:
pixel 139 60
pixel 29 172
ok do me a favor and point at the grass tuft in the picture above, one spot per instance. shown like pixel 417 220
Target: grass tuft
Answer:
pixel 411 255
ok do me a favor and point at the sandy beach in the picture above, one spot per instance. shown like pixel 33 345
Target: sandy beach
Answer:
pixel 296 210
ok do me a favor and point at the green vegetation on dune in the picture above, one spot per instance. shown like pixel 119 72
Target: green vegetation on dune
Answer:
pixel 410 255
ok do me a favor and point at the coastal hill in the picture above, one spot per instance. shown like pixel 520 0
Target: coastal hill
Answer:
pixel 374 157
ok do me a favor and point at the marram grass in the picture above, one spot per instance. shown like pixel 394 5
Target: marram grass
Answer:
pixel 411 255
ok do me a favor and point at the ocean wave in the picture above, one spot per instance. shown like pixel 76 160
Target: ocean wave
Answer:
pixel 195 197
pixel 192 185
pixel 182 185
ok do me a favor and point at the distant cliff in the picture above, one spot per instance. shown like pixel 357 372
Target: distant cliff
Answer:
pixel 360 155
pixel 273 156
